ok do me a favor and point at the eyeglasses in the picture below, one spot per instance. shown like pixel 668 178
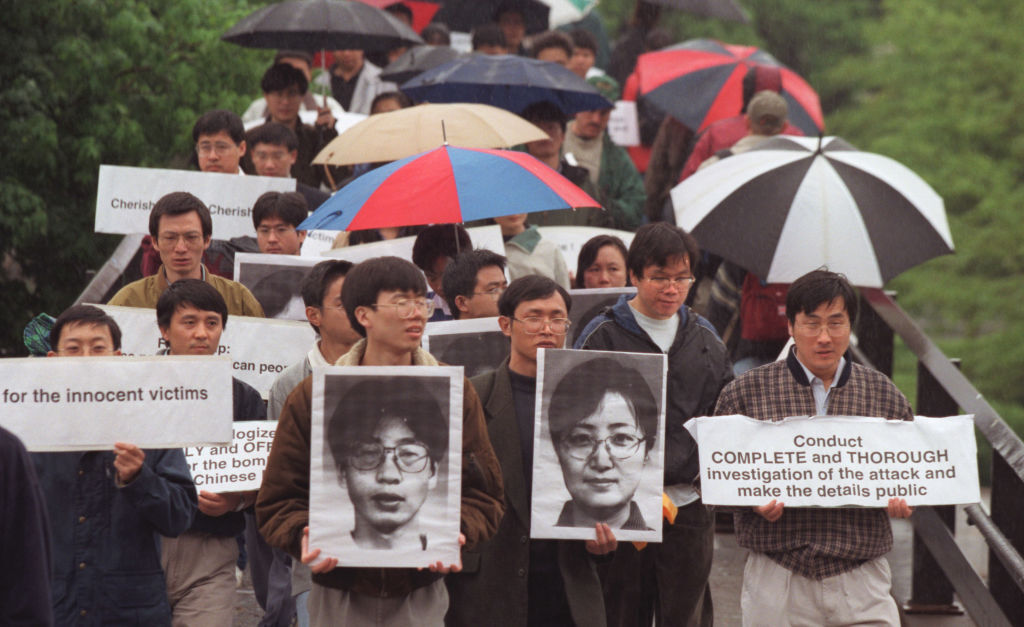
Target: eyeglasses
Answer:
pixel 835 328
pixel 280 231
pixel 406 308
pixel 192 239
pixel 534 325
pixel 220 148
pixel 494 292
pixel 411 457
pixel 620 446
pixel 662 282
pixel 262 155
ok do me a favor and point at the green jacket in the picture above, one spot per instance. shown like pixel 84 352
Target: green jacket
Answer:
pixel 147 290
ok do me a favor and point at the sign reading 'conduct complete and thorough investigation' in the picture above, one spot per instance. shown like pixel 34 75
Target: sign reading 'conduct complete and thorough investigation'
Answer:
pixel 836 461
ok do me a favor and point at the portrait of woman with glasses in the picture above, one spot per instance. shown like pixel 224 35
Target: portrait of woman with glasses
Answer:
pixel 603 420
pixel 388 437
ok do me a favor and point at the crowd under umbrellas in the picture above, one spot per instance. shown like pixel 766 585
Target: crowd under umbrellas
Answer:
pixel 456 153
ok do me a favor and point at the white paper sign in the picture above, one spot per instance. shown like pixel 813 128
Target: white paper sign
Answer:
pixel 234 467
pixel 385 465
pixel 347 120
pixel 88 403
pixel 318 242
pixel 836 461
pixel 599 425
pixel 488 237
pixel 623 124
pixel 259 348
pixel 570 239
pixel 125 196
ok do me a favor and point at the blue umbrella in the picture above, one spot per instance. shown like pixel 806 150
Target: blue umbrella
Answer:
pixel 506 81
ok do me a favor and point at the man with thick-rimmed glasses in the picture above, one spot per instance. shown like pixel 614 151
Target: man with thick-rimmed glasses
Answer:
pixel 673 575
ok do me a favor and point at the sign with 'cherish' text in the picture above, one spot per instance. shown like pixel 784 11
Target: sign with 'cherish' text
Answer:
pixel 836 461
pixel 234 467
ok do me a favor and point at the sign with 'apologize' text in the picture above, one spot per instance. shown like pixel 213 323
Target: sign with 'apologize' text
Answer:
pixel 89 403
pixel 125 196
pixel 234 467
pixel 836 461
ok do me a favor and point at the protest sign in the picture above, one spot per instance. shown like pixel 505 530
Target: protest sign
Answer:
pixel 488 237
pixel 836 461
pixel 623 124
pixel 570 239
pixel 318 242
pixel 385 465
pixel 125 196
pixel 259 348
pixel 478 345
pixel 276 282
pixel 588 302
pixel 88 403
pixel 599 424
pixel 341 124
pixel 234 467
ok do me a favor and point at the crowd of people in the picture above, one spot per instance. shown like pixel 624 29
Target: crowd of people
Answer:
pixel 124 537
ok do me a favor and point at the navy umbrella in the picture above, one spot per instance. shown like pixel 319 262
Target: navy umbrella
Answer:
pixel 417 60
pixel 506 81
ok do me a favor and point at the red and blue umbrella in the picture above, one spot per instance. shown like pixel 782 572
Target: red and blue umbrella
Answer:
pixel 448 185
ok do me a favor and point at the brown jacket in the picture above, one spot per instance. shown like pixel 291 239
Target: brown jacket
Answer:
pixel 282 507
pixel 146 292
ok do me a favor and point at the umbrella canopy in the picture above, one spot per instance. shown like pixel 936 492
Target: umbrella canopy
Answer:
pixel 507 81
pixel 794 204
pixel 448 185
pixel 422 12
pixel 701 81
pixel 321 24
pixel 568 11
pixel 417 60
pixel 464 15
pixel 406 132
pixel 722 9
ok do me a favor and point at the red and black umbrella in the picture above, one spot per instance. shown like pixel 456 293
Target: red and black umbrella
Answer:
pixel 701 80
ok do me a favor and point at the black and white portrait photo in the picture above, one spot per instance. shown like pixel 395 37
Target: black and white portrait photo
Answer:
pixel 478 345
pixel 599 443
pixel 384 488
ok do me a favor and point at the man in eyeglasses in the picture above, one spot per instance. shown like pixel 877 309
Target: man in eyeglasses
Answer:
pixel 181 226
pixel 817 565
pixel 276 217
pixel 513 580
pixel 668 580
pixel 473 282
pixel 385 300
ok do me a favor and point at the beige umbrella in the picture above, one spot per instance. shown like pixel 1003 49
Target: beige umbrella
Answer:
pixel 406 132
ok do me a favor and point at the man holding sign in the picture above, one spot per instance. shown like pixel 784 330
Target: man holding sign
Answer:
pixel 812 564
pixel 200 565
pixel 106 507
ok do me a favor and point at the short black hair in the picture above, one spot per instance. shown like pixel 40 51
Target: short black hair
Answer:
pixel 399 8
pixel 460 276
pixel 582 38
pixel 403 101
pixel 510 6
pixel 88 315
pixel 290 207
pixel 294 54
pixel 589 251
pixel 817 288
pixel 530 287
pixel 281 76
pixel 178 203
pixel 545 111
pixel 578 394
pixel 275 290
pixel 381 397
pixel 439 240
pixel 551 39
pixel 364 283
pixel 319 278
pixel 657 243
pixel 436 34
pixel 213 122
pixel 194 292
pixel 489 34
pixel 274 134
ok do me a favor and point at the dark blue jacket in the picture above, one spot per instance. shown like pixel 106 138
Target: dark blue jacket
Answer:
pixel 105 539
pixel 698 369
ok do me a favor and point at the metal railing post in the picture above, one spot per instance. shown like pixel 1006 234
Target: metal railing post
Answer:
pixel 1007 505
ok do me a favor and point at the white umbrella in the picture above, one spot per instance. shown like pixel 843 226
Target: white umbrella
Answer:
pixel 568 11
pixel 794 204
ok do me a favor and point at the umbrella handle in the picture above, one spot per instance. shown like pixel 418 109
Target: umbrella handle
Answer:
pixel 327 171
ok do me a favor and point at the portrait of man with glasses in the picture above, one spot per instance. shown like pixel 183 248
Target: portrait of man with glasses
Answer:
pixel 603 414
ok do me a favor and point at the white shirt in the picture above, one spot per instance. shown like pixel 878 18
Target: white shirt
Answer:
pixel 663 332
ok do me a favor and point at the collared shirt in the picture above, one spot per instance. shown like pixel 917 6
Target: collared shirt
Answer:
pixel 818 386
pixel 343 90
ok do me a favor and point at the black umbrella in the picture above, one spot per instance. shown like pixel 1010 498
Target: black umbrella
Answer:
pixel 506 81
pixel 463 15
pixel 417 60
pixel 722 9
pixel 321 25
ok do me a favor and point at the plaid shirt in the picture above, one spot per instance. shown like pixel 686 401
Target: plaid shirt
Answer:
pixel 814 542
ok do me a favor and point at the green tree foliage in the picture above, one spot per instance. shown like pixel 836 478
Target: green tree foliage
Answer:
pixel 86 83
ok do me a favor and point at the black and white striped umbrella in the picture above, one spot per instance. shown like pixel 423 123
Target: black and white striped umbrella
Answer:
pixel 794 204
